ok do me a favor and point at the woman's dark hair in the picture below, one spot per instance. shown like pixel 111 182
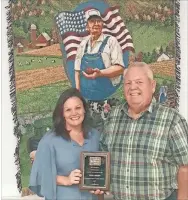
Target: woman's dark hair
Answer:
pixel 59 120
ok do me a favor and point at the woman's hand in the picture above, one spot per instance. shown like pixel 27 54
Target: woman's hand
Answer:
pixel 74 177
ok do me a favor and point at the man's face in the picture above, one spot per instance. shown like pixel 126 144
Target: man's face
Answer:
pixel 138 88
pixel 95 25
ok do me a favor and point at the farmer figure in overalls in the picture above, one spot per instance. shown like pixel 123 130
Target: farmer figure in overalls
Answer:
pixel 99 62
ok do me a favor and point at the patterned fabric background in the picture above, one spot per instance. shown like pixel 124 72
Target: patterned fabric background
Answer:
pixel 38 61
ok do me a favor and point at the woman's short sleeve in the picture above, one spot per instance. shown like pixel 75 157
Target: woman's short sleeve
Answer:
pixel 43 172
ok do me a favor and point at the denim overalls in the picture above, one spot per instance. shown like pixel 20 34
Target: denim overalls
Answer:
pixel 101 87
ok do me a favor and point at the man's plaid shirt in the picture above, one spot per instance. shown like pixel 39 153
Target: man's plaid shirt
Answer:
pixel 146 152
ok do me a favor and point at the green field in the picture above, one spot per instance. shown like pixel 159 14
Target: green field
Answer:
pixel 148 36
pixel 25 165
pixel 23 63
pixel 40 99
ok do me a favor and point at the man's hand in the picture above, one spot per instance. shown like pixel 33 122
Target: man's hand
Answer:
pixel 182 183
pixel 96 73
pixel 98 192
pixel 32 156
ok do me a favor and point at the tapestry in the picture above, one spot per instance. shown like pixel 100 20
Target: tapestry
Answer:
pixel 44 37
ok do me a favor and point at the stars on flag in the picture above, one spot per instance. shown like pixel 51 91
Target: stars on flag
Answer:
pixel 71 21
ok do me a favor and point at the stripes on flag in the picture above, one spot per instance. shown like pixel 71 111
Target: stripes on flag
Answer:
pixel 72 28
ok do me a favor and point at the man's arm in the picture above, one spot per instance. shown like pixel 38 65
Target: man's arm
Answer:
pixel 32 145
pixel 183 183
pixel 77 65
pixel 117 65
pixel 32 155
pixel 110 72
pixel 178 141
pixel 77 79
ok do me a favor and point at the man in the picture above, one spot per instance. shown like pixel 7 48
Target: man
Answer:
pixel 148 143
pixel 98 68
pixel 32 145
pixel 99 61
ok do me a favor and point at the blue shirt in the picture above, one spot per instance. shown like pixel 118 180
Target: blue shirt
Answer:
pixel 57 156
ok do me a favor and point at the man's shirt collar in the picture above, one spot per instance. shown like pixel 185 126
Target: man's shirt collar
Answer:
pixel 150 109
pixel 100 39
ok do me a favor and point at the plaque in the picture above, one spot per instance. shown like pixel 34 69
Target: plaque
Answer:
pixel 95 167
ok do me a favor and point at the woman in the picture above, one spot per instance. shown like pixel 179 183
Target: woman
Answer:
pixel 55 172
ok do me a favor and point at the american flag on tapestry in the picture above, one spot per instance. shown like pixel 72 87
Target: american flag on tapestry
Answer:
pixel 72 28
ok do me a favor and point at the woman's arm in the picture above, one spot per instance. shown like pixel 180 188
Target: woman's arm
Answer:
pixel 62 180
pixel 73 178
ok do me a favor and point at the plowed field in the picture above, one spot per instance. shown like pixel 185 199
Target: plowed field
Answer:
pixel 38 77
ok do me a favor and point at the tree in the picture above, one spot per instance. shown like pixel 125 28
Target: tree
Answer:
pixel 154 55
pixel 147 57
pixel 139 57
pixel 18 32
pixel 25 27
pixel 54 34
pixel 164 82
pixel 167 22
pixel 171 48
pixel 161 50
pixel 172 20
pixel 29 26
pixel 167 50
pixel 17 23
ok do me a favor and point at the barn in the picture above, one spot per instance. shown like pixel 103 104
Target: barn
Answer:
pixel 42 40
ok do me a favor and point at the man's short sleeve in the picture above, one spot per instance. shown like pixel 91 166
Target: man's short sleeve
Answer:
pixel 116 52
pixel 179 142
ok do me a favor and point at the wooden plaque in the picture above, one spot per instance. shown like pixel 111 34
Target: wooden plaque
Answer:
pixel 95 167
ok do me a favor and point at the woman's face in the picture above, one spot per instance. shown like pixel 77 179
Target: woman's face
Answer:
pixel 73 112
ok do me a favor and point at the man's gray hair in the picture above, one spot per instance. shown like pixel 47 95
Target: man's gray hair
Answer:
pixel 147 68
